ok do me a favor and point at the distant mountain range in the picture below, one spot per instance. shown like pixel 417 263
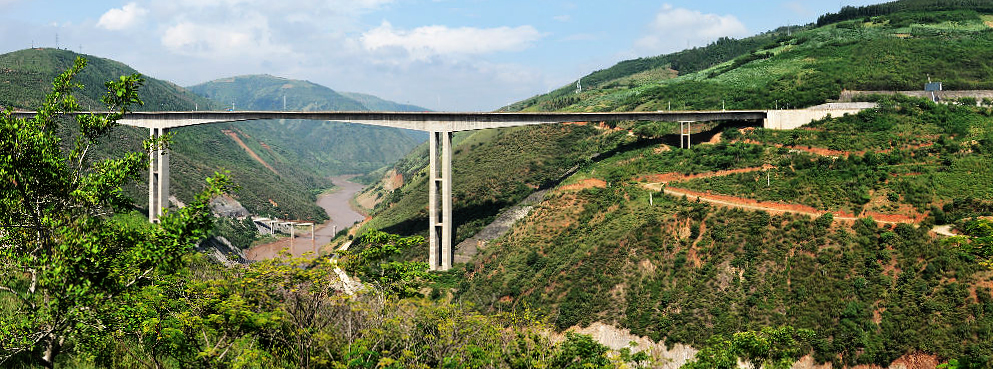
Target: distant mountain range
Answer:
pixel 278 165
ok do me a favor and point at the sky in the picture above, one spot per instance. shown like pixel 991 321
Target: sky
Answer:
pixel 447 55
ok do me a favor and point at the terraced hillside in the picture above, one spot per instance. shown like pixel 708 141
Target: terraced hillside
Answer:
pixel 827 227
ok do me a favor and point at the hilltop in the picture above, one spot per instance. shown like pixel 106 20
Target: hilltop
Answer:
pixel 827 227
pixel 27 77
pixel 265 92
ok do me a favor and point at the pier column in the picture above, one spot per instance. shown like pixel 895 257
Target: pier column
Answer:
pixel 440 201
pixel 684 134
pixel 158 177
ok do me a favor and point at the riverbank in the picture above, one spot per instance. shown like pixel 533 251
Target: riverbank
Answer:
pixel 340 212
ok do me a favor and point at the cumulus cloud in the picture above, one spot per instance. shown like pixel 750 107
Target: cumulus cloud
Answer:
pixel 247 37
pixel 674 29
pixel 125 17
pixel 425 42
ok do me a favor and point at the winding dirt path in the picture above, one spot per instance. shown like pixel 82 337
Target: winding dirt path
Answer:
pixel 776 207
pixel 660 182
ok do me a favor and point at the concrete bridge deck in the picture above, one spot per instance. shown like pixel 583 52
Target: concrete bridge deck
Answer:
pixel 441 126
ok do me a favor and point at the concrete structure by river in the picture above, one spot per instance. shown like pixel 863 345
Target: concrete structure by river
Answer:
pixel 336 205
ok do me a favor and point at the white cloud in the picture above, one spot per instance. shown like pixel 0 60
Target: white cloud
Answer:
pixel 125 17
pixel 249 36
pixel 562 18
pixel 798 8
pixel 674 29
pixel 425 42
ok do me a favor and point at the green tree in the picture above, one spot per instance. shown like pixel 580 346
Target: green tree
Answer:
pixel 580 351
pixel 775 348
pixel 396 278
pixel 66 259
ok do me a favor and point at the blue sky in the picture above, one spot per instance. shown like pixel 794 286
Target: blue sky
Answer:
pixel 458 55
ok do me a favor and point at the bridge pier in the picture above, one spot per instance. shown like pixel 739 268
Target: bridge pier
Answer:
pixel 684 133
pixel 440 201
pixel 158 177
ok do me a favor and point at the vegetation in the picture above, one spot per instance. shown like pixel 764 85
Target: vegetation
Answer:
pixel 85 284
pixel 265 92
pixel 67 263
pixel 683 272
pixel 892 46
pixel 769 348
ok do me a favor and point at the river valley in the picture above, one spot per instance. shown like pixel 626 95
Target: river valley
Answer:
pixel 342 215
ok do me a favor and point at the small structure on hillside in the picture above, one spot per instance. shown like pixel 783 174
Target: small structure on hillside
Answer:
pixel 932 87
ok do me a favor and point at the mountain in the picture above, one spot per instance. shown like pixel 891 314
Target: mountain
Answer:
pixel 829 227
pixel 27 76
pixel 324 148
pixel 265 92
pixel 374 103
pixel 279 166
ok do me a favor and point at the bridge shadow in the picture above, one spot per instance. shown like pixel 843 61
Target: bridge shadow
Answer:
pixel 708 134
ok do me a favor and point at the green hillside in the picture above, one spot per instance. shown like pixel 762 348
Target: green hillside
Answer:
pixel 27 76
pixel 323 148
pixel 625 241
pixel 795 67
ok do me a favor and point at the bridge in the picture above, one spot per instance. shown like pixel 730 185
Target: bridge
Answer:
pixel 441 126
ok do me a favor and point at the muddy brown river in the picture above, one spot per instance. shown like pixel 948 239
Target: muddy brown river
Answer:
pixel 338 209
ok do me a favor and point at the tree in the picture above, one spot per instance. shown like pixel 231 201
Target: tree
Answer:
pixel 66 255
pixel 580 351
pixel 773 348
pixel 396 278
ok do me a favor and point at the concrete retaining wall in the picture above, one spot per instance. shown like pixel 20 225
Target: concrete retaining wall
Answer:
pixel 790 119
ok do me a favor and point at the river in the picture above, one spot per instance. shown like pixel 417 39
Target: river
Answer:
pixel 336 205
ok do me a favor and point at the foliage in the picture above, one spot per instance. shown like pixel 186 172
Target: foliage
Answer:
pixel 977 240
pixel 396 278
pixel 682 271
pixel 774 348
pixel 66 260
pixel 918 7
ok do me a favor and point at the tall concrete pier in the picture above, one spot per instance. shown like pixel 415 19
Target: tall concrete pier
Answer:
pixel 440 237
pixel 158 177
